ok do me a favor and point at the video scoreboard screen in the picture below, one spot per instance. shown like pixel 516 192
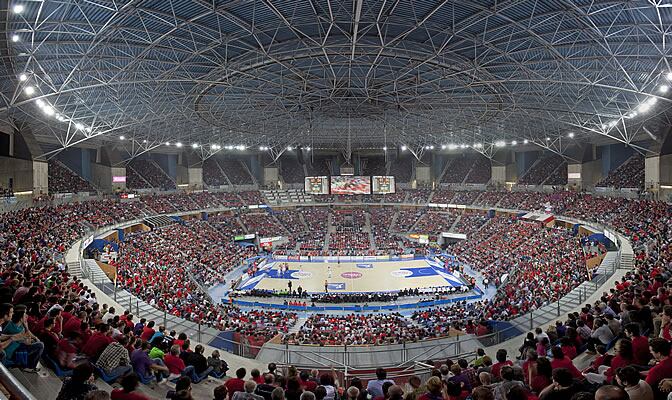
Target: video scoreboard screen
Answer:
pixel 350 185
pixel 317 185
pixel 383 184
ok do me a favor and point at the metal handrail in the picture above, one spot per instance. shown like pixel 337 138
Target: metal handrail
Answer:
pixel 14 387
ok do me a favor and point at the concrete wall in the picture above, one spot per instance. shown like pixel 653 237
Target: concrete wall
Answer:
pixel 423 175
pixel 613 156
pixel 590 173
pixel 498 175
pixel 102 177
pixel 24 175
pixel 270 176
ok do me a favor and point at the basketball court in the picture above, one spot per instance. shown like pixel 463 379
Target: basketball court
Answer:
pixel 351 277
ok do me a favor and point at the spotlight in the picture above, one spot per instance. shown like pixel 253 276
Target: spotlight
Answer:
pixel 452 146
pixel 513 143
pixel 240 147
pixel 463 146
pixel 194 145
pixel 669 76
pixel 571 135
pixel 29 90
pixel 289 148
pixel 526 141
pixel 229 147
pixel 384 148
pixel 500 143
pixel 262 148
pixel 403 148
pixel 79 126
pixel 15 38
pixel 548 138
pixel 49 110
pixel 18 8
pixel 39 102
pixel 144 141
pixel 23 77
pixel 478 145
pixel 307 148
pixel 178 144
pixel 122 137
pixel 443 147
pixel 644 107
pixel 167 143
pixel 663 88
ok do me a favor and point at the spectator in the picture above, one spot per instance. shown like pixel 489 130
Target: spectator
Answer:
pixel 114 360
pixel 219 366
pixel 236 384
pixel 248 393
pixel 637 389
pixel 79 385
pixel 375 387
pixel 199 362
pixel 128 391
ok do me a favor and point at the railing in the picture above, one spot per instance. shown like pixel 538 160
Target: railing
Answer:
pixel 15 389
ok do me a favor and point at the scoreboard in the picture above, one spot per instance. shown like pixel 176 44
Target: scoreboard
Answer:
pixel 316 185
pixel 383 184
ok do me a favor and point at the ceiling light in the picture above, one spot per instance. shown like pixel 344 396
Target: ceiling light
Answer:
pixel 514 143
pixel 644 107
pixel 500 143
pixel 23 77
pixel 122 137
pixel 194 145
pixel 403 147
pixel 669 76
pixel 178 144
pixel 79 126
pixel 262 148
pixel 88 129
pixel 49 110
pixel 213 146
pixel 548 138
pixel 60 117
pixel 240 147
pixel 307 148
pixel 526 141
pixel 652 101
pixel 463 146
pixel 29 90
pixel 18 8
pixel 571 135
pixel 452 146
pixel 443 147
pixel 385 148
pixel 663 88
pixel 39 102
pixel 478 145
pixel 229 147
pixel 144 141
pixel 167 143
pixel 289 148
pixel 15 38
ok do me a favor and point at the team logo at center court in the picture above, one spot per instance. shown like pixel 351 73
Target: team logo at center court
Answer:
pixel 301 274
pixel 401 273
pixel 351 275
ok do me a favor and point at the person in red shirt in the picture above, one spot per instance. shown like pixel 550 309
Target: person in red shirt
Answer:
pixel 560 361
pixel 74 324
pixel 256 376
pixel 501 361
pixel 640 344
pixel 236 384
pixel 97 343
pixel 148 331
pixel 660 349
pixel 306 382
pixel 129 384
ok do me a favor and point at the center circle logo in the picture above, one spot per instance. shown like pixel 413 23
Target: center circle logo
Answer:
pixel 401 273
pixel 301 274
pixel 351 275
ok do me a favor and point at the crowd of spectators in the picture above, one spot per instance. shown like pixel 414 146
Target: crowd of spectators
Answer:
pixel 357 329
pixel 481 171
pixel 150 173
pixel 236 172
pixel 630 174
pixel 542 170
pixel 212 173
pixel 457 168
pixel 6 192
pixel 62 180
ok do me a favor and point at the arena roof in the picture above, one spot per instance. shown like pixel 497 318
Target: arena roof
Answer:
pixel 336 74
